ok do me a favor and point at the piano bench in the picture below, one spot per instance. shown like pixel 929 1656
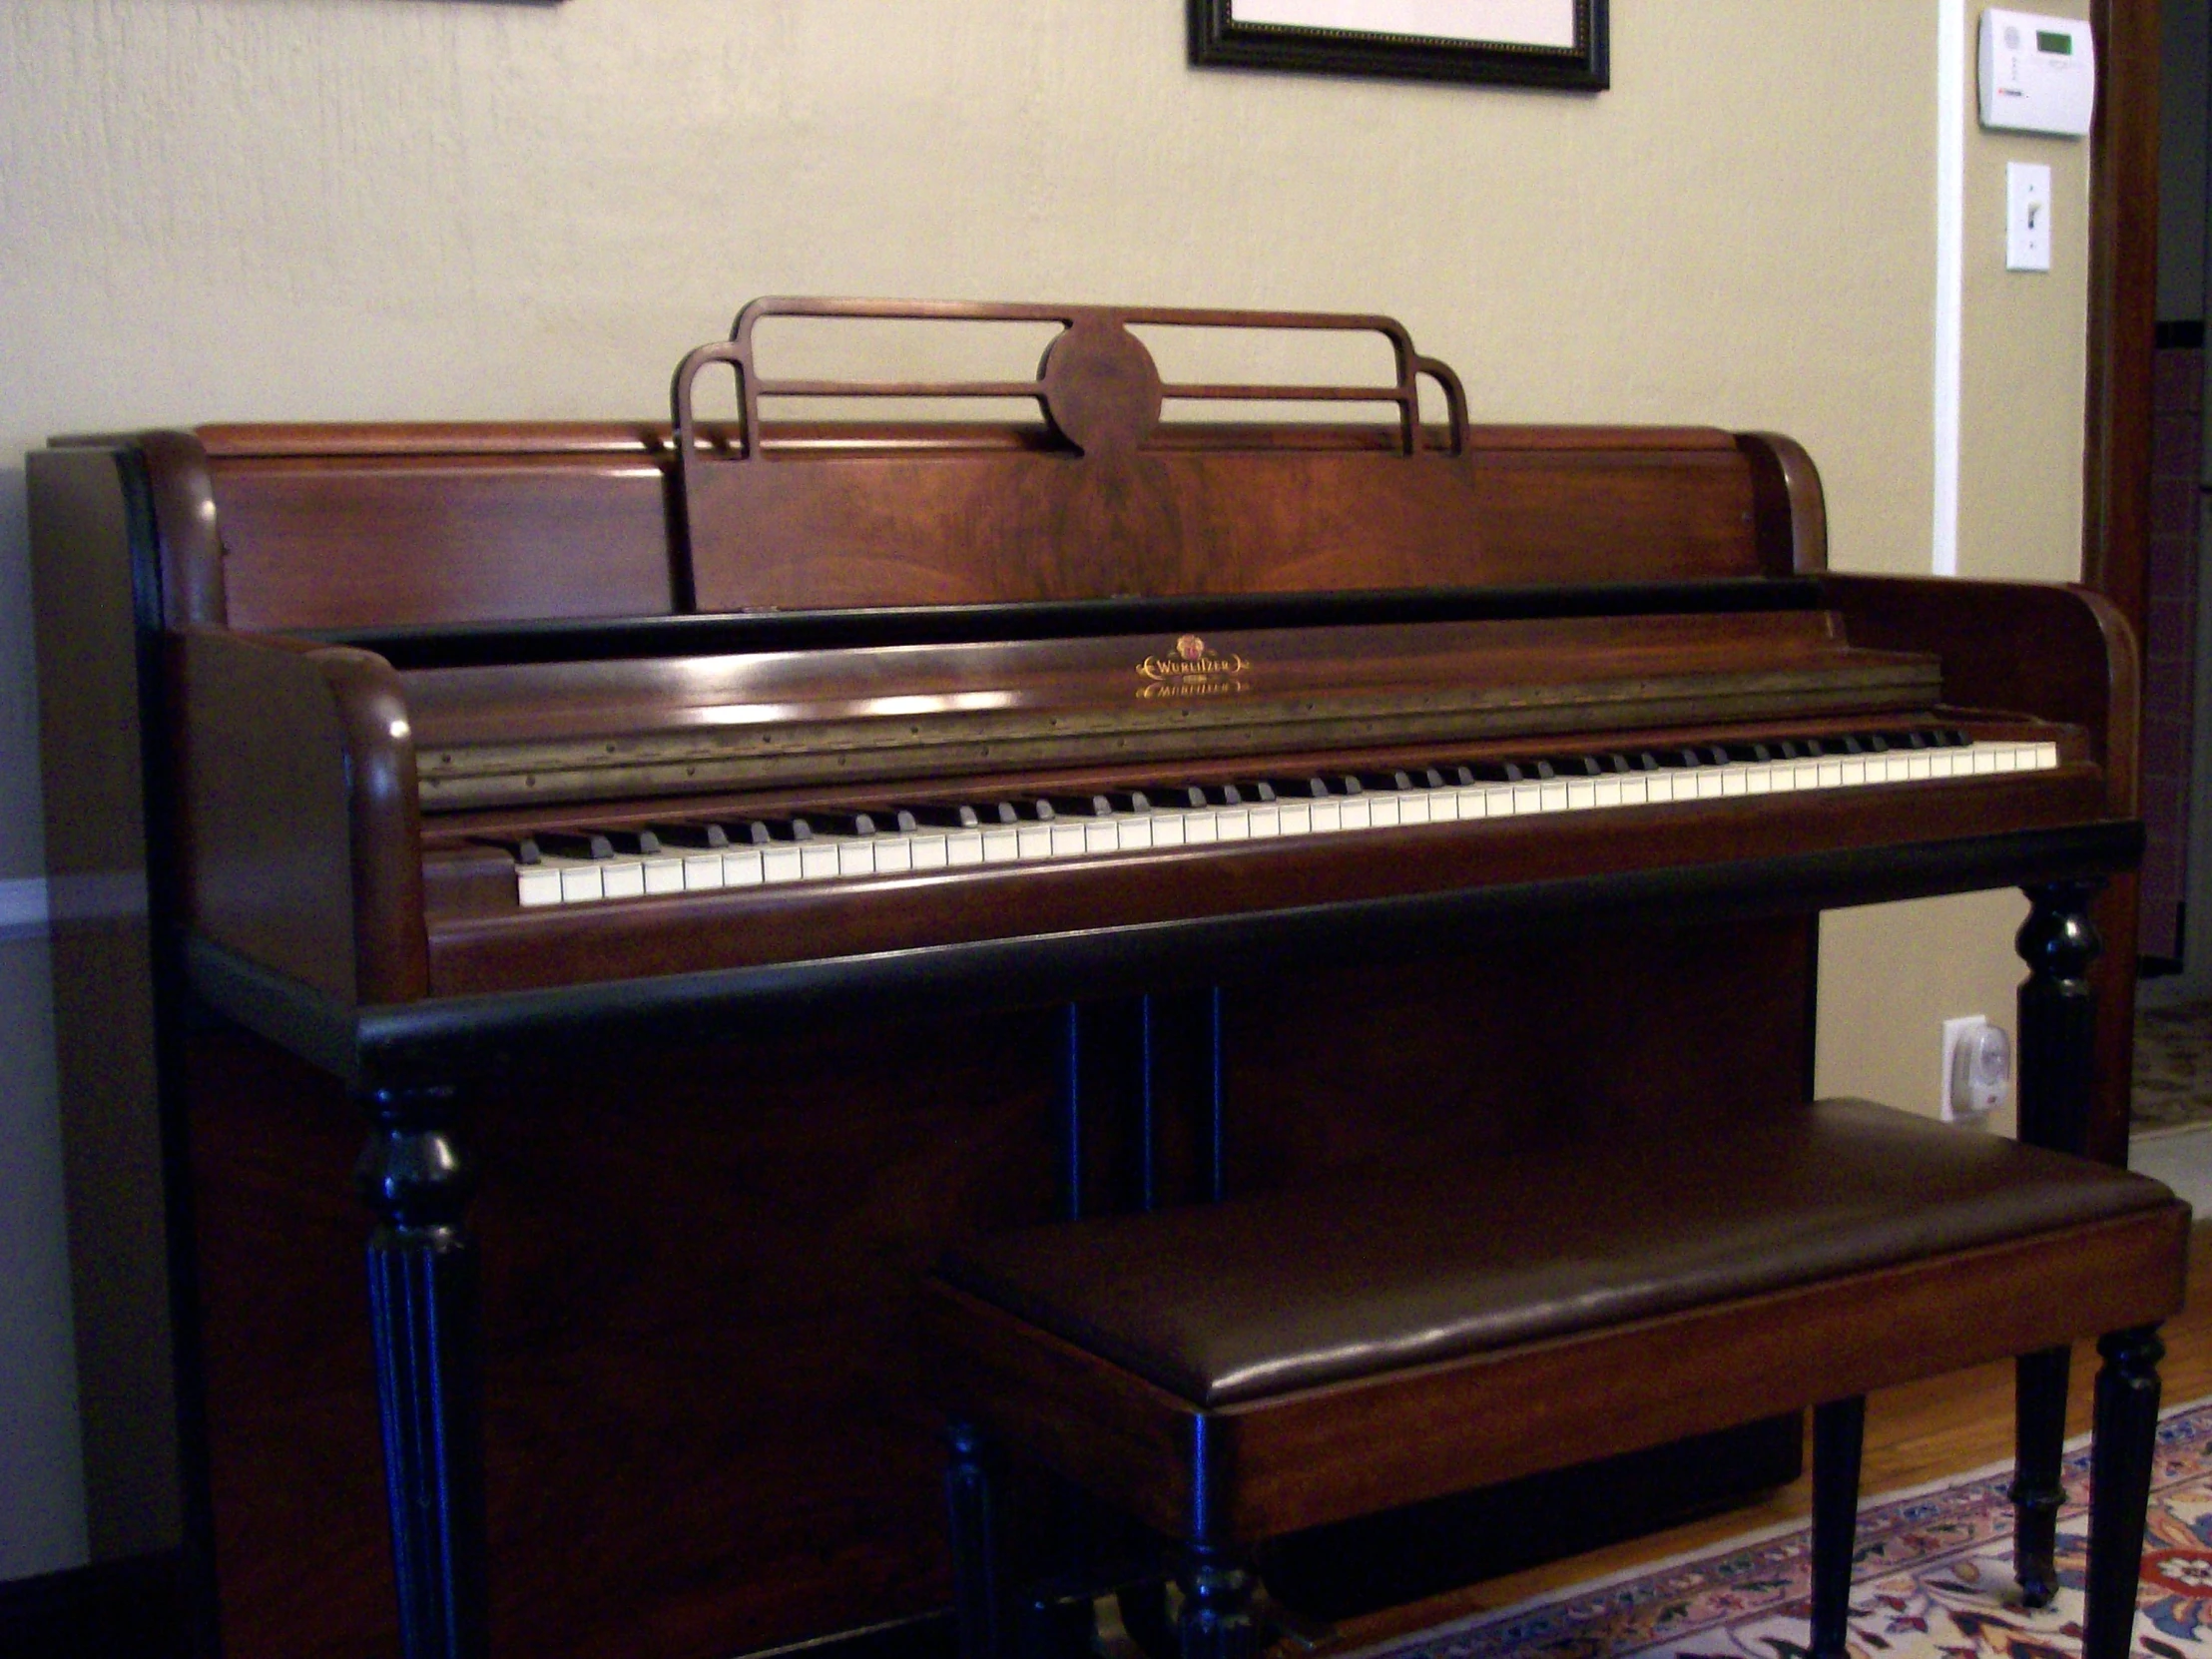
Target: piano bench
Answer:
pixel 1232 1372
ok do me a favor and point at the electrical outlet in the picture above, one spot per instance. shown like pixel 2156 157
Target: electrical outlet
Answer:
pixel 1978 1069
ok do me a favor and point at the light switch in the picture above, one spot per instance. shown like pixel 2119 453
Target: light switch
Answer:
pixel 2026 215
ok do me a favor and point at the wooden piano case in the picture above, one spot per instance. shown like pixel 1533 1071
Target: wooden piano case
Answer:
pixel 702 1433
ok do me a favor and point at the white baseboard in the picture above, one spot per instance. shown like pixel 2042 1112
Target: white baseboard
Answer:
pixel 22 908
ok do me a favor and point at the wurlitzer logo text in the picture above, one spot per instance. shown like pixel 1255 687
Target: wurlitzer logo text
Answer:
pixel 1193 670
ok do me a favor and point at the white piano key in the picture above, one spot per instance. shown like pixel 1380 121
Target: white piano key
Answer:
pixel 1358 811
pixel 1296 817
pixel 780 864
pixel 1944 763
pixel 622 877
pixel 1412 807
pixel 1264 820
pixel 702 871
pixel 895 854
pixel 743 866
pixel 664 876
pixel 1708 781
pixel 1527 798
pixel 1636 791
pixel 1167 829
pixel 1581 795
pixel 963 848
pixel 1735 781
pixel 1232 824
pixel 1066 838
pixel 1199 827
pixel 931 850
pixel 1032 842
pixel 1915 767
pixel 1328 816
pixel 855 856
pixel 1759 780
pixel 817 860
pixel 1552 797
pixel 582 883
pixel 1132 832
pixel 537 884
pixel 1854 773
pixel 2046 756
pixel 1381 810
pixel 1000 846
pixel 1605 792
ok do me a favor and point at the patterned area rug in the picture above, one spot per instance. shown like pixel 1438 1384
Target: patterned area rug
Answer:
pixel 1933 1581
pixel 2174 1066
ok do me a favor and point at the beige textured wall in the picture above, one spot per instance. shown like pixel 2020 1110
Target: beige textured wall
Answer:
pixel 242 209
pixel 1891 975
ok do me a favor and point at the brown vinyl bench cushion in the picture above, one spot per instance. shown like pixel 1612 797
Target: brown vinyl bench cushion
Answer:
pixel 1252 1298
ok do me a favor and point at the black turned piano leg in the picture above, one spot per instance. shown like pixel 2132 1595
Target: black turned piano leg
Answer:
pixel 971 1503
pixel 422 1293
pixel 2038 1441
pixel 1839 1431
pixel 1216 1587
pixel 2119 1488
pixel 2057 1075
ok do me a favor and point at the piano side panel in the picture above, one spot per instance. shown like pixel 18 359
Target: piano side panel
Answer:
pixel 939 529
pixel 360 542
pixel 705 1435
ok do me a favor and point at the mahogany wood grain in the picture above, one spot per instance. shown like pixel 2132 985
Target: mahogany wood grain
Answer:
pixel 1791 506
pixel 360 526
pixel 2124 306
pixel 301 812
pixel 2065 652
pixel 797 1187
pixel 344 544
pixel 1327 1453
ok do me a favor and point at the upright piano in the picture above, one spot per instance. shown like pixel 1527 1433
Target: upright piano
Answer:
pixel 719 863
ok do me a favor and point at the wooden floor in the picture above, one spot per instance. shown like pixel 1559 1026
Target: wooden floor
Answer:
pixel 1917 1434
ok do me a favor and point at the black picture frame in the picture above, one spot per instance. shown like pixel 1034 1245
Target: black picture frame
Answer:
pixel 1222 40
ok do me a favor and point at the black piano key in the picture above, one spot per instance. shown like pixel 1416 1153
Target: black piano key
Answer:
pixel 635 843
pixel 1079 805
pixel 1299 788
pixel 946 817
pixel 1129 801
pixel 1574 765
pixel 565 844
pixel 696 835
pixel 841 824
pixel 525 850
pixel 1499 771
pixel 762 831
pixel 1223 794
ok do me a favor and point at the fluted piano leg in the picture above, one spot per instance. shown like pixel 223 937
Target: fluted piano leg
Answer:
pixel 422 1291
pixel 2057 1076
pixel 2120 1488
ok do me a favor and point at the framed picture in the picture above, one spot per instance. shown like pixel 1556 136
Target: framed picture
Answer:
pixel 1542 43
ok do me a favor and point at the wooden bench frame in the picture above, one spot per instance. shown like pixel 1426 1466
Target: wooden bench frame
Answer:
pixel 1221 1479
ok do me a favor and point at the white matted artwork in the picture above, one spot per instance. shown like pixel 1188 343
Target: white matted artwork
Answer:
pixel 1501 22
pixel 1545 43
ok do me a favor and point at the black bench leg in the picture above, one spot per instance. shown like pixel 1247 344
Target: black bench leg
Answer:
pixel 2119 1488
pixel 972 1496
pixel 2038 1441
pixel 1217 1604
pixel 1839 1430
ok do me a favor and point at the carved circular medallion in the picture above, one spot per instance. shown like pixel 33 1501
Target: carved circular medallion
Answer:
pixel 1101 387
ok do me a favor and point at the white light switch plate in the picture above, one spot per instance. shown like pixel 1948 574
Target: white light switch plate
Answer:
pixel 2026 215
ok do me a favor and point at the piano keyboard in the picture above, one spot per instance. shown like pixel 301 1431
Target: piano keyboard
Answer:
pixel 594 866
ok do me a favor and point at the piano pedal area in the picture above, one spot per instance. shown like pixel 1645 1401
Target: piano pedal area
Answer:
pixel 781 847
